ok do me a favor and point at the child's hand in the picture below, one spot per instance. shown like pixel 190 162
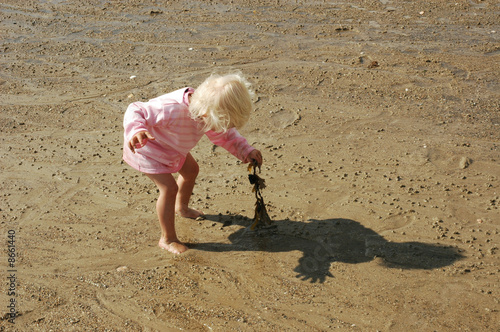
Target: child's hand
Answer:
pixel 256 156
pixel 139 140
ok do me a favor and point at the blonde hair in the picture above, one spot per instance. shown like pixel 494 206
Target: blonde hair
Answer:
pixel 222 102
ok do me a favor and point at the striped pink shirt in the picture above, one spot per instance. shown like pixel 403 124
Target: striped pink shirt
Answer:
pixel 168 120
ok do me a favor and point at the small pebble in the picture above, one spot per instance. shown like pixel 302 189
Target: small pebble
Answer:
pixel 465 162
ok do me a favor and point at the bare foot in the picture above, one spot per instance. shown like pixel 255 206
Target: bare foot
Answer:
pixel 190 213
pixel 175 247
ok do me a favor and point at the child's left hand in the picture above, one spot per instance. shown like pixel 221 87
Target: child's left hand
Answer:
pixel 255 155
pixel 139 140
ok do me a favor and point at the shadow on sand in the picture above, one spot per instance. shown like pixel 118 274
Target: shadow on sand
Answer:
pixel 337 240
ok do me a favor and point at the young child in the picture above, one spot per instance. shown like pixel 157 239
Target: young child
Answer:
pixel 160 133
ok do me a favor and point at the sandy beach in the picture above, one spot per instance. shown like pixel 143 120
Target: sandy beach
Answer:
pixel 379 123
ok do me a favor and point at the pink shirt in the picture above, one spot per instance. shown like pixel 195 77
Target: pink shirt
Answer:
pixel 168 120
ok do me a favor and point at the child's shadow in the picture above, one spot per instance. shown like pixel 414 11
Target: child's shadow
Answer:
pixel 332 240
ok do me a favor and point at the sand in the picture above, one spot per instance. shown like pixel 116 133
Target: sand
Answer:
pixel 379 126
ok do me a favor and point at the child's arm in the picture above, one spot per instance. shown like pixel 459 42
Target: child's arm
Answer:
pixel 138 118
pixel 135 119
pixel 236 144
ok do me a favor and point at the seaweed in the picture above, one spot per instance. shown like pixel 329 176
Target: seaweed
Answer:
pixel 261 216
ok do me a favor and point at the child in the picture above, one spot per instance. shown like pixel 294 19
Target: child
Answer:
pixel 160 133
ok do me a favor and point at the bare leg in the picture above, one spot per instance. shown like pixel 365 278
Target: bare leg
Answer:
pixel 185 182
pixel 165 207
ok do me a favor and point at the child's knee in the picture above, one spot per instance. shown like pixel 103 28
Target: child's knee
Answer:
pixel 191 172
pixel 174 189
pixel 190 169
pixel 169 191
pixel 196 169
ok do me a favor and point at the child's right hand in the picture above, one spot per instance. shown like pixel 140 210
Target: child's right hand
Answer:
pixel 255 157
pixel 139 140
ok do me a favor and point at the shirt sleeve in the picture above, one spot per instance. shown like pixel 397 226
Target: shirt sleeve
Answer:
pixel 233 142
pixel 142 116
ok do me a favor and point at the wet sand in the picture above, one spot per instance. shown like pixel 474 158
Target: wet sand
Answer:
pixel 379 123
